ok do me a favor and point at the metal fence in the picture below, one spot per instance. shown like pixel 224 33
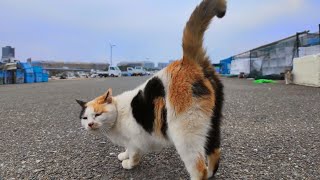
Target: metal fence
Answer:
pixel 277 57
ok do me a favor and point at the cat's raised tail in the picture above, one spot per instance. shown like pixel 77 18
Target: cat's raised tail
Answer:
pixel 196 26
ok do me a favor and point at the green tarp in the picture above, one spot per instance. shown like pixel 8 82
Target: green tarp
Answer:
pixel 262 81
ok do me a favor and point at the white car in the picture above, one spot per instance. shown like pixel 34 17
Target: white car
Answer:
pixel 114 71
pixel 94 75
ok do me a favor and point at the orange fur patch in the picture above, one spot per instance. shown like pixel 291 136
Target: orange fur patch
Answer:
pixel 183 75
pixel 98 105
pixel 159 104
pixel 136 159
pixel 213 160
pixel 182 78
pixel 207 102
pixel 202 168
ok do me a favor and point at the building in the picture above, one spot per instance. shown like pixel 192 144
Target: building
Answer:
pixel 125 64
pixel 144 64
pixel 148 64
pixel 162 65
pixel 8 52
pixel 273 58
pixel 225 65
pixel 8 55
pixel 78 66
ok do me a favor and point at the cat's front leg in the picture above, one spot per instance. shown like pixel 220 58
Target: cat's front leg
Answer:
pixel 124 155
pixel 134 159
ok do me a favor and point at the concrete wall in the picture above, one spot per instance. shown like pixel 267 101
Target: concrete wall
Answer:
pixel 306 70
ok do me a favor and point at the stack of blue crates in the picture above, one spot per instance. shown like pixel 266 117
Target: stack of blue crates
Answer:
pixel 45 76
pixel 19 76
pixel 8 77
pixel 28 73
pixel 1 77
pixel 37 70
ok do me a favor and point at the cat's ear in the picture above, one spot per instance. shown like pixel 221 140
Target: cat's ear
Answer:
pixel 81 103
pixel 108 96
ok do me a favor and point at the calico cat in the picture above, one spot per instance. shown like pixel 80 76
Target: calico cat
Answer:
pixel 179 106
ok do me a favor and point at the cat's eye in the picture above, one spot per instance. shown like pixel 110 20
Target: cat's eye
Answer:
pixel 84 118
pixel 98 114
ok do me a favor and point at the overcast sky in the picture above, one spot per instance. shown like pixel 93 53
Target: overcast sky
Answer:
pixel 81 30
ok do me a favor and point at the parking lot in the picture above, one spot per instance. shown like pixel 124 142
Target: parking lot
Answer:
pixel 269 131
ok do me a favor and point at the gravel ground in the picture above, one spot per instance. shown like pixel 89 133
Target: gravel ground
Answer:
pixel 270 131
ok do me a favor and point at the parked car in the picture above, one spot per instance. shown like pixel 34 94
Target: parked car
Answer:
pixel 113 71
pixel 94 75
pixel 82 75
pixel 138 71
pixel 128 72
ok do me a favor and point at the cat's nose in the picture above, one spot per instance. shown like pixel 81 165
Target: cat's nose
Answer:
pixel 91 124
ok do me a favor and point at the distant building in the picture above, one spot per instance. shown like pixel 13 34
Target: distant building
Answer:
pixel 162 65
pixel 70 65
pixel 7 52
pixel 130 63
pixel 29 60
pixel 8 55
pixel 144 64
pixel 148 64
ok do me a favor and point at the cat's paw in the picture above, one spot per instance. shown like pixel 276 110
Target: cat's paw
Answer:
pixel 210 174
pixel 126 164
pixel 123 156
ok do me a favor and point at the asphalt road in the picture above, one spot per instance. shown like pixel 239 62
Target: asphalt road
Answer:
pixel 269 131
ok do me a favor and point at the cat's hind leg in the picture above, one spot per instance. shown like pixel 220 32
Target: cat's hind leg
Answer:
pixel 189 138
pixel 213 162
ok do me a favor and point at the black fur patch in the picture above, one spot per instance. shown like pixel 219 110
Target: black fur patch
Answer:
pixel 221 14
pixel 213 140
pixel 143 105
pixel 164 123
pixel 83 109
pixel 199 89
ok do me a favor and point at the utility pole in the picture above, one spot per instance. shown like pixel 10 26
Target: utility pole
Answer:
pixel 111 46
pixel 319 37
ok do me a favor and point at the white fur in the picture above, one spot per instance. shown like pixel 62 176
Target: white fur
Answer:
pixel 187 132
pixel 124 155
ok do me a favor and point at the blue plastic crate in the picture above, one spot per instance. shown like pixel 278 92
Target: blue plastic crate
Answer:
pixel 28 70
pixel 19 76
pixel 8 77
pixel 25 65
pixel 19 73
pixel 45 77
pixel 1 77
pixel 29 78
pixel 37 69
pixel 38 77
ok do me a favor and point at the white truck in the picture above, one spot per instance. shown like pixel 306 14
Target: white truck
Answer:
pixel 113 71
pixel 136 71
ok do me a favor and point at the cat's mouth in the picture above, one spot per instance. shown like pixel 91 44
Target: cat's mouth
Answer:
pixel 93 128
pixel 94 131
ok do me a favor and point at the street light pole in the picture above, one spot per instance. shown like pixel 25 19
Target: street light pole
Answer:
pixel 111 46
